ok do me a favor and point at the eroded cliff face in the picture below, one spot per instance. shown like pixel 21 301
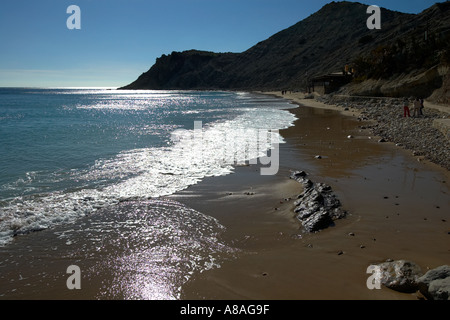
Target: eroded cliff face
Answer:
pixel 432 83
pixel 323 43
pixel 442 94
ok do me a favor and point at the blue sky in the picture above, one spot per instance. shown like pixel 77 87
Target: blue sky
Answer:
pixel 120 39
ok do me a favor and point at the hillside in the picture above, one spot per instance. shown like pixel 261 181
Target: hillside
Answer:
pixel 324 42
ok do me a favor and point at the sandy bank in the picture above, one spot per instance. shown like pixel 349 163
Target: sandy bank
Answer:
pixel 426 136
pixel 398 210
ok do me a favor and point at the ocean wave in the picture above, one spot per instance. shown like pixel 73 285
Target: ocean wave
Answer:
pixel 147 173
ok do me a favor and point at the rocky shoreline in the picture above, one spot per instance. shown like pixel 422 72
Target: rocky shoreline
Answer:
pixel 407 276
pixel 417 134
pixel 318 208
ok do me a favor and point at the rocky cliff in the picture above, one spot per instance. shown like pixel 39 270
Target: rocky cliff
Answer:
pixel 324 42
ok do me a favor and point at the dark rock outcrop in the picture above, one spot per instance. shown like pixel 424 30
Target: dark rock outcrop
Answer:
pixel 406 276
pixel 435 284
pixel 317 207
pixel 399 275
pixel 191 69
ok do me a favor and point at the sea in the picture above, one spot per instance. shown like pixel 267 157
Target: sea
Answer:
pixel 84 173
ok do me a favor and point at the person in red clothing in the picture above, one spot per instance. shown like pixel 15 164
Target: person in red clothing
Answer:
pixel 406 108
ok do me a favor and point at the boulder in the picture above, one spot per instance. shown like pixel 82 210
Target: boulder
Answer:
pixel 399 275
pixel 435 284
pixel 317 207
pixel 318 220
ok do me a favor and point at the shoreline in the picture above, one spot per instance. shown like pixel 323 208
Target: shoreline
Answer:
pixel 427 136
pixel 397 209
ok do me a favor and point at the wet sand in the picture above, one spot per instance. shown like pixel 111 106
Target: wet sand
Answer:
pixel 398 209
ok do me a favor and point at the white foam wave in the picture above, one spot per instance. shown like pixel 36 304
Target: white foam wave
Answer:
pixel 150 172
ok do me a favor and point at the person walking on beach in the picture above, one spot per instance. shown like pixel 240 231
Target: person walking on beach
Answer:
pixel 421 107
pixel 406 108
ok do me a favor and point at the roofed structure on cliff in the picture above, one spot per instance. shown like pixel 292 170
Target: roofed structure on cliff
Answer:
pixel 328 83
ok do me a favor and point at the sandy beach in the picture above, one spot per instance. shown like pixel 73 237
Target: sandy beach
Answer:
pixel 206 156
pixel 398 209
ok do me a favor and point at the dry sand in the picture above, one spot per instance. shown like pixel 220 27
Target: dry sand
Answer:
pixel 398 209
